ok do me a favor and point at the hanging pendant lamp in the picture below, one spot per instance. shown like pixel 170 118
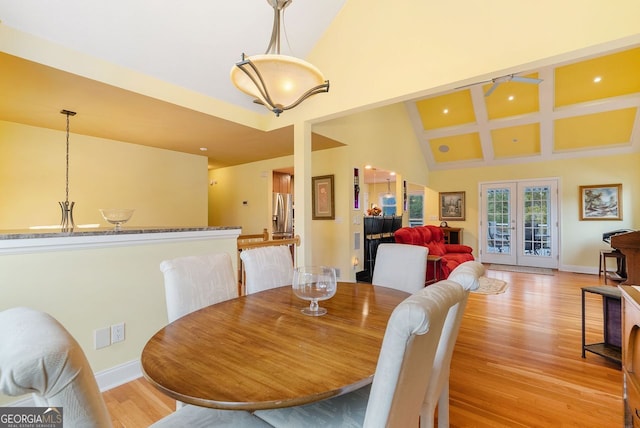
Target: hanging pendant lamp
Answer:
pixel 388 194
pixel 66 223
pixel 279 82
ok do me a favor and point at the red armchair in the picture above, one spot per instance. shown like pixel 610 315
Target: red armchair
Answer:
pixel 432 237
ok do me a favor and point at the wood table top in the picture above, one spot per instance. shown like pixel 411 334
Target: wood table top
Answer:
pixel 260 352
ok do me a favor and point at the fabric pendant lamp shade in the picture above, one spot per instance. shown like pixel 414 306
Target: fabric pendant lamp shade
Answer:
pixel 285 79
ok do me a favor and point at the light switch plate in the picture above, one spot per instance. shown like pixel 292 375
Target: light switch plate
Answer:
pixel 102 337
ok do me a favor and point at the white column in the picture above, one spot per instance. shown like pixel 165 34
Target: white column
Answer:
pixel 302 188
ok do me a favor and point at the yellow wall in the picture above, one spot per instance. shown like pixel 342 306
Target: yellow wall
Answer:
pixel 233 186
pixel 166 188
pixel 88 289
pixel 381 137
pixel 580 240
pixel 253 183
pixel 331 240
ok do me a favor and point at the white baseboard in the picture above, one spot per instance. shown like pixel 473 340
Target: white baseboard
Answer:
pixel 579 269
pixel 106 379
pixel 118 375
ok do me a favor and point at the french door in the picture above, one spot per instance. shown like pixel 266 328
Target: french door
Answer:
pixel 519 223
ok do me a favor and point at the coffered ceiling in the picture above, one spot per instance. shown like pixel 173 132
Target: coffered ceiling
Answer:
pixel 580 108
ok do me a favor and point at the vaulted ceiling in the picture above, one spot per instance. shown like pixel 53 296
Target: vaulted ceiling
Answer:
pixel 584 107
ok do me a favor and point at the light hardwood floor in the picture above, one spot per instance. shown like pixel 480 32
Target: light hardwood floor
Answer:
pixel 517 362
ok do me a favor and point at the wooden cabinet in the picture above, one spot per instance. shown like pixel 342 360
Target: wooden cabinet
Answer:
pixel 629 244
pixel 282 182
pixel 452 235
pixel 631 354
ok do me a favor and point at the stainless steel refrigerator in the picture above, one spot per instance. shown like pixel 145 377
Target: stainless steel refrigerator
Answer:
pixel 282 216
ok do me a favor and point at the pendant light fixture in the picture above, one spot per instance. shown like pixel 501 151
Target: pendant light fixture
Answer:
pixel 279 82
pixel 388 194
pixel 66 223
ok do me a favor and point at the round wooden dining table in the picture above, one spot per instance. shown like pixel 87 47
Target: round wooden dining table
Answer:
pixel 260 352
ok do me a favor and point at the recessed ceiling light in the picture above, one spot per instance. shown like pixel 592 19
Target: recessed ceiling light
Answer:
pixel 597 79
pixel 511 98
pixel 445 111
pixel 443 148
pixel 203 149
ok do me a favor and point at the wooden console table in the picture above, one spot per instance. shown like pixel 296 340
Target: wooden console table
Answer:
pixel 452 235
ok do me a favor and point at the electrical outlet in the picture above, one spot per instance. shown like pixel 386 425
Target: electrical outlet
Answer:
pixel 117 333
pixel 101 338
pixel 337 272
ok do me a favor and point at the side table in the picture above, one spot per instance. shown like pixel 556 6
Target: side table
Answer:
pixel 611 346
pixel 435 260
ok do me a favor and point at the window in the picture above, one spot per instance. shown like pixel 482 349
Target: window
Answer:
pixel 416 209
pixel 388 203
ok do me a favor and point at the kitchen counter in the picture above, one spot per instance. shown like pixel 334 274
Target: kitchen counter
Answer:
pixel 36 240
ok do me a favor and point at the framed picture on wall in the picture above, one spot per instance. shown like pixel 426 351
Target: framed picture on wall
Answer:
pixel 322 198
pixel 451 206
pixel 601 202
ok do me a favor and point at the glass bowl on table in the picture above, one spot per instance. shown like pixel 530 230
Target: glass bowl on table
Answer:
pixel 314 283
pixel 117 216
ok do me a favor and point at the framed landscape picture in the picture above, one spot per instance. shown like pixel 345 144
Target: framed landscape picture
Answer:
pixel 451 206
pixel 601 202
pixel 322 198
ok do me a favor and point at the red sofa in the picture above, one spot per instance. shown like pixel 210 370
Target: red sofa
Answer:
pixel 432 237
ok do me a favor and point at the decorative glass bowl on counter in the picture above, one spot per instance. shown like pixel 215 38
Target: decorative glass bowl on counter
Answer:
pixel 314 283
pixel 117 216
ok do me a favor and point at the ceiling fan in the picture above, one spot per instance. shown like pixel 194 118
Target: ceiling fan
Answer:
pixel 504 79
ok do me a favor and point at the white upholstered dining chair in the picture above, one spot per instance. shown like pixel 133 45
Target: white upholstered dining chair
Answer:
pixel 267 267
pixel 39 356
pixel 401 266
pixel 467 275
pixel 404 368
pixel 193 282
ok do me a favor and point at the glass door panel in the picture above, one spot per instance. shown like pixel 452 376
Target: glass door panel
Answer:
pixel 537 222
pixel 497 223
pixel 519 223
